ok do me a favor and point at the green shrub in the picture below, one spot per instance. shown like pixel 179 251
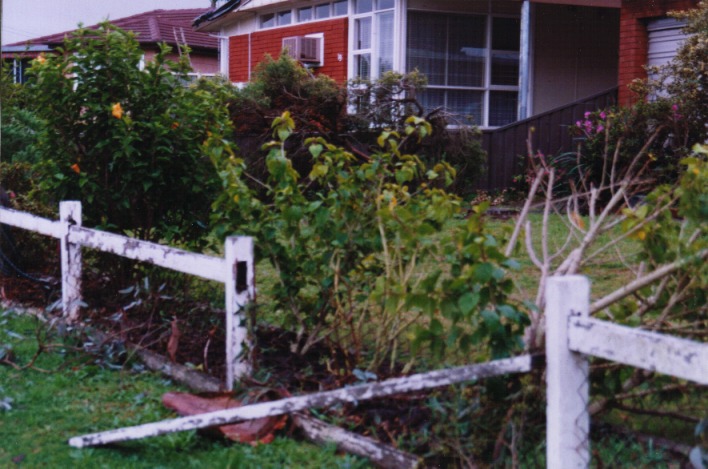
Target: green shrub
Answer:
pixel 126 141
pixel 364 262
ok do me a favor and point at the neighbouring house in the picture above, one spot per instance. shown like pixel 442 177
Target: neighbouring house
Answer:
pixel 173 27
pixel 511 64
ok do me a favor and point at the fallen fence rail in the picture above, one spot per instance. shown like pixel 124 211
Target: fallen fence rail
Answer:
pixel 361 392
pixel 235 269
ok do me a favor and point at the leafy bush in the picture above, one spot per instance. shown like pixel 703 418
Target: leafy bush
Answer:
pixel 349 116
pixel 364 262
pixel 126 141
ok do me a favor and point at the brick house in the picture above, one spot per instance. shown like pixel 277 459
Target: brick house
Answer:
pixel 173 27
pixel 520 67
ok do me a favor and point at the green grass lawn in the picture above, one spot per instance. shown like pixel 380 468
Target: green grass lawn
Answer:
pixel 40 411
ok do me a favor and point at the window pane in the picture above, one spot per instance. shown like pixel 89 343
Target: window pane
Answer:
pixel 362 34
pixel 466 103
pixel 427 46
pixel 322 11
pixel 432 99
pixel 305 14
pixel 466 51
pixel 463 102
pixel 285 17
pixel 384 4
pixel 340 8
pixel 505 68
pixel 363 6
pixel 385 21
pixel 268 20
pixel 502 107
pixel 506 33
pixel 363 66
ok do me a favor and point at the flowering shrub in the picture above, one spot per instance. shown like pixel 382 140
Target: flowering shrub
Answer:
pixel 125 141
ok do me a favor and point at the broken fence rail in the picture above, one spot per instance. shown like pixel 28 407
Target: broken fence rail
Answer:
pixel 235 270
pixel 352 394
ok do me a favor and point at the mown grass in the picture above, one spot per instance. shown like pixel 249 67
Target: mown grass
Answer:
pixel 75 395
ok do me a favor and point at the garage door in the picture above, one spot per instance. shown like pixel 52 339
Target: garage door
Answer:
pixel 665 37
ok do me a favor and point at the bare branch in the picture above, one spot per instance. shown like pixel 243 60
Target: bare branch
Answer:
pixel 524 213
pixel 644 281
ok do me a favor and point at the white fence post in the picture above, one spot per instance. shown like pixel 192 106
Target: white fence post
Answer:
pixel 240 289
pixel 70 214
pixel 568 423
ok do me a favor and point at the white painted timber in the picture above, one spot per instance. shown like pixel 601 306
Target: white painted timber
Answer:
pixel 352 394
pixel 30 222
pixel 651 351
pixel 240 290
pixel 70 215
pixel 567 419
pixel 208 267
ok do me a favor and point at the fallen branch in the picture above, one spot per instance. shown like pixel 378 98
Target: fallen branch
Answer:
pixel 382 455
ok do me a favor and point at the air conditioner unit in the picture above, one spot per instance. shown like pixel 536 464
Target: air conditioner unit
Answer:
pixel 307 50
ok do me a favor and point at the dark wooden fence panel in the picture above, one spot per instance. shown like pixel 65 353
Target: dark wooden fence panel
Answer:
pixel 507 148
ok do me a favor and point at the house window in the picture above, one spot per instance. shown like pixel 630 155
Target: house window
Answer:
pixel 304 14
pixel 373 38
pixel 285 17
pixel 471 61
pixel 268 20
pixel 322 11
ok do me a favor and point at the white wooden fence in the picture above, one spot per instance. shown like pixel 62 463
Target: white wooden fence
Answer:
pixel 235 270
pixel 571 336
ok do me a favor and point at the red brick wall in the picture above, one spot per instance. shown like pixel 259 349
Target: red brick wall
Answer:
pixel 634 38
pixel 271 41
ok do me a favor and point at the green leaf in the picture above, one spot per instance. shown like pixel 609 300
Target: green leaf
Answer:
pixel 468 302
pixel 316 149
pixel 483 272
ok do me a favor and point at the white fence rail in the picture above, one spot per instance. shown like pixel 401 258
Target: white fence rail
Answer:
pixel 570 338
pixel 235 270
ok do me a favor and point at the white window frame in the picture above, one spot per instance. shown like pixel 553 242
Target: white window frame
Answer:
pixel 294 15
pixel 374 14
pixel 487 88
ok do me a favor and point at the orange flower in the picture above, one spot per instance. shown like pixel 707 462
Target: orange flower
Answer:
pixel 175 125
pixel 41 59
pixel 75 168
pixel 117 111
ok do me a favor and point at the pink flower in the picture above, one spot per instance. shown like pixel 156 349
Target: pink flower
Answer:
pixel 600 128
pixel 588 114
pixel 603 116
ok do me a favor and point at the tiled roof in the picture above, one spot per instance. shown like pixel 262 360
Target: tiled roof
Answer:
pixel 151 27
